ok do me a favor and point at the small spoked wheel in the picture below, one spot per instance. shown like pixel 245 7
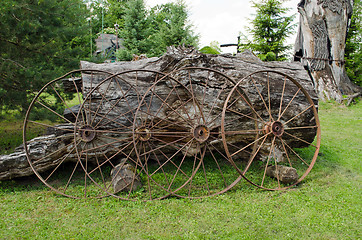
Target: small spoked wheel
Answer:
pixel 280 124
pixel 177 135
pixel 52 113
pixel 104 135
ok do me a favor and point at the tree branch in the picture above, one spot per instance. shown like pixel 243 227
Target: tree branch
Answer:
pixel 14 62
pixel 350 98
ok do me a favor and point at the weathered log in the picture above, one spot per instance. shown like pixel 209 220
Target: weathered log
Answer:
pixel 68 84
pixel 236 67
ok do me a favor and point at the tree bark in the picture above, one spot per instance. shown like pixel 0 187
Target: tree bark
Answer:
pixel 320 46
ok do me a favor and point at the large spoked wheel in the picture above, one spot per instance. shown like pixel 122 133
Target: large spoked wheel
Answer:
pixel 53 112
pixel 177 135
pixel 104 131
pixel 278 118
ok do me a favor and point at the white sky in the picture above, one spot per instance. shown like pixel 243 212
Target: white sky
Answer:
pixel 222 20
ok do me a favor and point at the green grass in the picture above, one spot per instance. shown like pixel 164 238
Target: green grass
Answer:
pixel 327 205
pixel 11 132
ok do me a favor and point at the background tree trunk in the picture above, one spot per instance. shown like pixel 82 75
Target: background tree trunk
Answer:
pixel 320 46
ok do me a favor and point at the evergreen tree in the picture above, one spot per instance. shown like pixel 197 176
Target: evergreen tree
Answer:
pixel 170 27
pixel 152 32
pixel 136 31
pixel 270 29
pixel 39 41
pixel 353 50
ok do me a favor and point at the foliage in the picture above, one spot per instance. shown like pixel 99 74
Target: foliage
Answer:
pixel 270 29
pixel 106 13
pixel 326 205
pixel 169 23
pixel 151 32
pixel 353 50
pixel 11 134
pixel 39 41
pixel 214 48
pixel 209 50
pixel 136 31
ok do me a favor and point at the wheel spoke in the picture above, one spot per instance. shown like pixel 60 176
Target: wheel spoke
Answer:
pixel 281 99
pixel 291 135
pixel 242 149
pixel 254 155
pixel 115 104
pixel 285 109
pixel 244 115
pixel 267 163
pixel 50 126
pixel 276 169
pixel 286 152
pixel 295 153
pixel 303 127
pixel 169 158
pixel 262 98
pixel 184 102
pixel 170 107
pixel 268 80
pixel 61 162
pixel 178 168
pixel 70 178
pixel 110 120
pixel 193 97
pixel 217 163
pixel 167 144
pixel 158 162
pixel 116 110
pixel 51 110
pixel 110 158
pixel 251 107
pixel 99 104
pixel 171 122
pixel 298 115
pixel 62 100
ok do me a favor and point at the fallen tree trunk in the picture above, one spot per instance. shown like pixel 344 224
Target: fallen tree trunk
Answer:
pixel 262 90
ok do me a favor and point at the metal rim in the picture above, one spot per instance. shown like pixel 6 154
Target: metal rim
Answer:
pixel 192 162
pixel 51 99
pixel 277 129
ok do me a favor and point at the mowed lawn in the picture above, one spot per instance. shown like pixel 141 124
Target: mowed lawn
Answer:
pixel 327 205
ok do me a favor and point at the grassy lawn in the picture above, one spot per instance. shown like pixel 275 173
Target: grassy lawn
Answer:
pixel 327 205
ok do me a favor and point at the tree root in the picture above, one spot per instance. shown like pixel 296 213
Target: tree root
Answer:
pixel 350 98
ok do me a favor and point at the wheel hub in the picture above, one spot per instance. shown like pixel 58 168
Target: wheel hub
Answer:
pixel 143 134
pixel 276 128
pixel 87 133
pixel 201 133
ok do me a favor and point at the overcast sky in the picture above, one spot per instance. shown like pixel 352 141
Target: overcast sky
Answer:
pixel 222 20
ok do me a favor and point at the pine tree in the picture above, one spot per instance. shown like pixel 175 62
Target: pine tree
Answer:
pixel 170 26
pixel 136 31
pixel 152 32
pixel 39 41
pixel 270 29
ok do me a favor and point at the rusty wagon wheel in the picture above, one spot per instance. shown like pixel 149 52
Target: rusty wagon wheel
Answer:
pixel 53 111
pixel 286 138
pixel 177 135
pixel 104 128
